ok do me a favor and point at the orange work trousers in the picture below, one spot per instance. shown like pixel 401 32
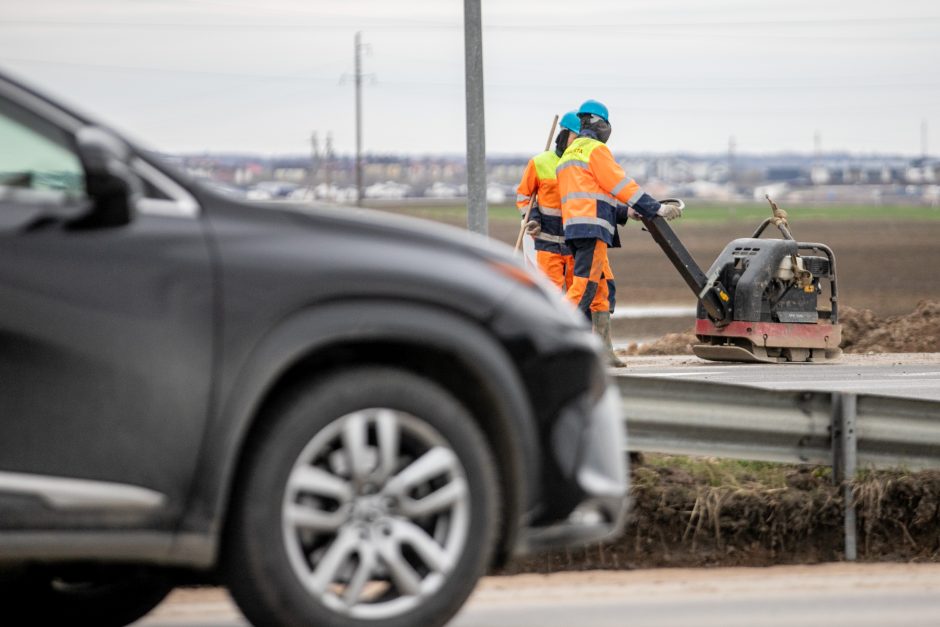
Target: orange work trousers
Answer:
pixel 559 268
pixel 593 287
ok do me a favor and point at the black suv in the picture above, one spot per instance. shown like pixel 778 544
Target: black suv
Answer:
pixel 343 416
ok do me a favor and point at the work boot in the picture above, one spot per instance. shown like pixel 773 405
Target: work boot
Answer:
pixel 600 322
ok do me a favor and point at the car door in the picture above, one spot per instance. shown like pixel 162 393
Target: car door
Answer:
pixel 106 338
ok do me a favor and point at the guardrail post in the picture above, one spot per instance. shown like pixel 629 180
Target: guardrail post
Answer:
pixel 844 462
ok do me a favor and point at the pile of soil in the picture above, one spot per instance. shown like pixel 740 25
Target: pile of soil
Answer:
pixel 916 332
pixel 677 520
pixel 863 331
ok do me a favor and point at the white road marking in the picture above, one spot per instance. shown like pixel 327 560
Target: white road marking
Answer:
pixel 914 374
pixel 672 374
pixel 861 383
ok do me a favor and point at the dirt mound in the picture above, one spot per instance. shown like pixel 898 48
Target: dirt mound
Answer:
pixel 863 331
pixel 683 520
pixel 857 324
pixel 916 332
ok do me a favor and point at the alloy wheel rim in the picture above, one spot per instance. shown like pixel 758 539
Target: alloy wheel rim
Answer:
pixel 375 513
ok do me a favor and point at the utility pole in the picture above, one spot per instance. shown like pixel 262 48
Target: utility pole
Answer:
pixel 731 173
pixel 358 79
pixel 476 143
pixel 923 138
pixel 314 163
pixel 818 174
pixel 328 165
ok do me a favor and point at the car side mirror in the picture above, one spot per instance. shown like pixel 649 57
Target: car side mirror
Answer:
pixel 110 182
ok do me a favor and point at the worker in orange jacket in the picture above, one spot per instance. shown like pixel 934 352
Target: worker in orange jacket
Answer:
pixel 596 196
pixel 544 225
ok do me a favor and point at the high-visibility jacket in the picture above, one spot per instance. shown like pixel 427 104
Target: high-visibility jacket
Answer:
pixel 595 192
pixel 539 177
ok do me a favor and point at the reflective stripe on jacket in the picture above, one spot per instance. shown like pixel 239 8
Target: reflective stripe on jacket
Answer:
pixel 592 186
pixel 539 178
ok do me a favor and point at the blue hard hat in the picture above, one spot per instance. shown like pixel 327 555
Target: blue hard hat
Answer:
pixel 571 122
pixel 593 107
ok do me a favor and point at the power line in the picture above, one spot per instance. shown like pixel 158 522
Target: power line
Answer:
pixel 767 23
pixel 402 25
pixel 840 21
pixel 170 70
pixel 677 84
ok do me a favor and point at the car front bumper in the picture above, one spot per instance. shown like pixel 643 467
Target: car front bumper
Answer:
pixel 589 444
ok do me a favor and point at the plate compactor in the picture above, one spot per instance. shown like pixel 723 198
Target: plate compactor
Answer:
pixel 759 300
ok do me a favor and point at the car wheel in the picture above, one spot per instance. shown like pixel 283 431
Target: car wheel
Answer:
pixel 369 498
pixel 102 596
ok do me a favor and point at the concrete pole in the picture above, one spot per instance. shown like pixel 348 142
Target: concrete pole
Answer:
pixel 476 142
pixel 359 119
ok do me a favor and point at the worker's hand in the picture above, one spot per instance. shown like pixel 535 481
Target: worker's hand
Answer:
pixel 669 211
pixel 533 228
pixel 633 215
pixel 670 208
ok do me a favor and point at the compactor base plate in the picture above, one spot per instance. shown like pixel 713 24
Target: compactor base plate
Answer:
pixel 768 342
pixel 759 355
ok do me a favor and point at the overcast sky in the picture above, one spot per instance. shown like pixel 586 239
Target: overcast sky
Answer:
pixel 677 75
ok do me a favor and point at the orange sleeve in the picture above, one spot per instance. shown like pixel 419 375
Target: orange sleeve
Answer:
pixel 611 177
pixel 527 186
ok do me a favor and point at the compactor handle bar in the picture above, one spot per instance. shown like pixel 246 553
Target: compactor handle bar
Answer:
pixel 779 218
pixel 763 225
pixel 710 292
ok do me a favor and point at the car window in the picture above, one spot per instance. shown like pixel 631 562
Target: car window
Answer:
pixel 161 195
pixel 151 191
pixel 37 163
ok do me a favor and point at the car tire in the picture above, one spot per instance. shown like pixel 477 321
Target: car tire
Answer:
pixel 367 498
pixel 104 597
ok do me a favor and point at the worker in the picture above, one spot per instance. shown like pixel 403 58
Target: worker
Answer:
pixel 596 196
pixel 544 224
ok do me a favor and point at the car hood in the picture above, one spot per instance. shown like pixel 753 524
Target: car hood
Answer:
pixel 404 228
pixel 382 253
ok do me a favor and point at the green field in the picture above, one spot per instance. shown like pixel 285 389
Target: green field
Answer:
pixel 712 212
pixel 755 212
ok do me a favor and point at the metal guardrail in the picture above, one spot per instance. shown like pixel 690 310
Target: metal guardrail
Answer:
pixel 839 429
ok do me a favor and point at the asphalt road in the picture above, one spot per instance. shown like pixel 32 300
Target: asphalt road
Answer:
pixel 908 375
pixel 830 595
